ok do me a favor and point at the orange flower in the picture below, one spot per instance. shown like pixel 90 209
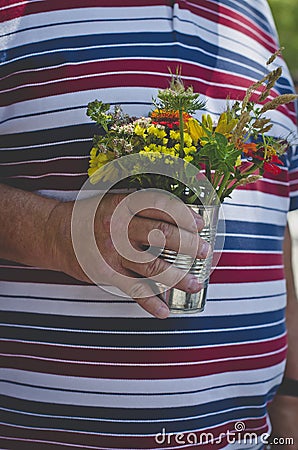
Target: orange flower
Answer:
pixel 249 148
pixel 167 118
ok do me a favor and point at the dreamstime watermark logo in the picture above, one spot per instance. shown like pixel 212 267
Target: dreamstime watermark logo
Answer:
pixel 91 199
pixel 236 436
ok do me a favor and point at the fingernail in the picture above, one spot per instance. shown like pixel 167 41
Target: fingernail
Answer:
pixel 204 250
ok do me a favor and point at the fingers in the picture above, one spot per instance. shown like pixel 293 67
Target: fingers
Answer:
pixel 165 273
pixel 163 234
pixel 132 227
pixel 164 207
pixel 141 292
pixel 123 225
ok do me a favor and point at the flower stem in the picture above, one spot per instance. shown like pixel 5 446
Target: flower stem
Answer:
pixel 250 170
pixel 216 178
pixel 181 131
pixel 208 170
pixel 223 184
pixel 228 189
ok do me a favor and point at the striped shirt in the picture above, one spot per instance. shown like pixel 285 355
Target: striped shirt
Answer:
pixel 84 368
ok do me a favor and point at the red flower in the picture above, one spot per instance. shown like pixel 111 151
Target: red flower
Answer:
pixel 271 167
pixel 166 124
pixel 167 118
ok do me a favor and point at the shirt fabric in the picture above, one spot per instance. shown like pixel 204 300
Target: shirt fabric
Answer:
pixel 83 368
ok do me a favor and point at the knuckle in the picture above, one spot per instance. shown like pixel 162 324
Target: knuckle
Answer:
pixel 166 229
pixel 137 290
pixel 153 268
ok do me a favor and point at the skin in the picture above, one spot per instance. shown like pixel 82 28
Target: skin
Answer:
pixel 284 409
pixel 41 236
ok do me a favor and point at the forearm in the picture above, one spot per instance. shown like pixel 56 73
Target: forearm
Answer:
pixel 292 326
pixel 23 224
pixel 292 312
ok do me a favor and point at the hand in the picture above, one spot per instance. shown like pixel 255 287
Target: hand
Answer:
pixel 145 226
pixel 284 418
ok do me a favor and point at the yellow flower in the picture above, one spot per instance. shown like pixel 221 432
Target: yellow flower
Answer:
pixel 225 124
pixel 172 157
pixel 93 152
pixel 140 131
pixel 158 132
pixel 169 151
pixel 169 160
pixel 186 150
pixel 187 139
pixel 175 135
pixel 270 151
pixel 188 158
pixel 106 174
pixel 155 148
pixel 238 161
pixel 97 160
pixel 92 170
pixel 151 155
pixel 195 130
pixel 191 149
pixel 207 122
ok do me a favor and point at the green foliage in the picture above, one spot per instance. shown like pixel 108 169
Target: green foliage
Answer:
pixel 179 98
pixel 214 148
pixel 97 111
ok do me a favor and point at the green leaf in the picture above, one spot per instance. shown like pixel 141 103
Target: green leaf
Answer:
pixel 97 111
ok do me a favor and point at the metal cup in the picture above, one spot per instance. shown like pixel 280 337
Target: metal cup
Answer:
pixel 184 302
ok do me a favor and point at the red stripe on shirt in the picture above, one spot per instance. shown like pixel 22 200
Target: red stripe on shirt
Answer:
pixel 126 356
pixel 30 7
pixel 16 435
pixel 222 15
pixel 118 371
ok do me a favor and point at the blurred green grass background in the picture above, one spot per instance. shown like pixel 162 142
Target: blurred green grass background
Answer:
pixel 285 13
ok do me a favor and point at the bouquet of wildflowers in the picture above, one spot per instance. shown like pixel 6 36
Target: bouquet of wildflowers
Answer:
pixel 235 150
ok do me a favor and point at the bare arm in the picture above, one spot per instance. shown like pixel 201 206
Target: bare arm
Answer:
pixel 292 311
pixel 284 408
pixel 36 231
pixel 23 230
